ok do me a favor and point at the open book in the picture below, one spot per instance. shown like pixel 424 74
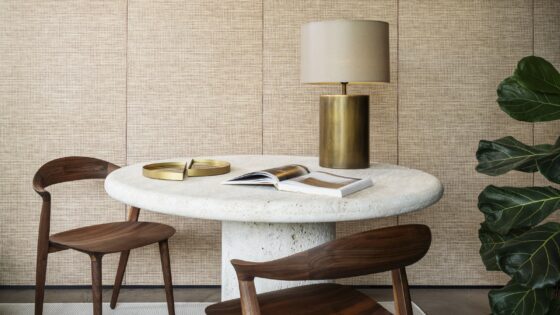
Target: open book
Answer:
pixel 297 178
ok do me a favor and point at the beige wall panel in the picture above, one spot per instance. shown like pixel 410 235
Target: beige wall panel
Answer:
pixel 62 92
pixel 194 88
pixel 204 77
pixel 452 55
pixel 291 110
pixel 547 28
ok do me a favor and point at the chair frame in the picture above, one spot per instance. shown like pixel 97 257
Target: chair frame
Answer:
pixel 386 249
pixel 80 168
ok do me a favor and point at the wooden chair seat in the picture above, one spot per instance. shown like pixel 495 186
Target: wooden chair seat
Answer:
pixel 112 237
pixel 315 299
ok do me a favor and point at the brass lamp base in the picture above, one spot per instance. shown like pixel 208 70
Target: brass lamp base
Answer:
pixel 344 131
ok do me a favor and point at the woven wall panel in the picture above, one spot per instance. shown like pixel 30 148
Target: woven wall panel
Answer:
pixel 194 88
pixel 291 110
pixel 547 28
pixel 452 55
pixel 203 78
pixel 62 92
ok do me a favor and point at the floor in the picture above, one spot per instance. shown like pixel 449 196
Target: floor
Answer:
pixel 464 301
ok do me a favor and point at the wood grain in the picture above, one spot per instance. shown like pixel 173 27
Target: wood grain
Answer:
pixel 362 253
pixel 96 286
pixel 166 267
pixel 133 216
pixel 317 299
pixel 401 292
pixel 112 237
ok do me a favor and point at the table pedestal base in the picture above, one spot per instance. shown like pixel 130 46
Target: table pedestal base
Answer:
pixel 267 241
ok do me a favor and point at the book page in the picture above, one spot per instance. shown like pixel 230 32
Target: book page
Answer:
pixel 254 178
pixel 268 177
pixel 287 171
pixel 326 180
pixel 322 183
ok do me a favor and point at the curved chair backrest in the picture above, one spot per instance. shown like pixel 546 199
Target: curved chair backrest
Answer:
pixel 62 170
pixel 355 255
pixel 70 169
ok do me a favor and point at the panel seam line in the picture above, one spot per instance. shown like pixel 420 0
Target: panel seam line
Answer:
pixel 126 108
pixel 398 87
pixel 262 77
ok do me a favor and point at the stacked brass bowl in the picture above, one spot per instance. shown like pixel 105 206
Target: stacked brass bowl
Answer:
pixel 179 170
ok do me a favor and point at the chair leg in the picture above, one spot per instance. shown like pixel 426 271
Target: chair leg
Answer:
pixel 40 277
pixel 119 278
pixel 96 283
pixel 401 293
pixel 248 297
pixel 166 266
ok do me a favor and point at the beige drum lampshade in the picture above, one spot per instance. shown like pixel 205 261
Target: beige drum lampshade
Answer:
pixel 353 51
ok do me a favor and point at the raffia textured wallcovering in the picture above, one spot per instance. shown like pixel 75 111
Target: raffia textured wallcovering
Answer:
pixel 129 81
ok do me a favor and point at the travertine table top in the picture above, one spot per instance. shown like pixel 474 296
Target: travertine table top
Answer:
pixel 396 190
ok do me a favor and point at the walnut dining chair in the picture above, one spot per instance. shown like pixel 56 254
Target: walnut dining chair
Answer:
pixel 387 249
pixel 94 240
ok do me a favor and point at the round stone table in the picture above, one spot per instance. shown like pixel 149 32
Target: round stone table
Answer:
pixel 260 223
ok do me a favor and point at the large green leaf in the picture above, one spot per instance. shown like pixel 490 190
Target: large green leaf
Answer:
pixel 533 259
pixel 554 307
pixel 507 208
pixel 549 165
pixel 524 104
pixel 533 92
pixel 506 154
pixel 537 74
pixel 515 299
pixel 491 242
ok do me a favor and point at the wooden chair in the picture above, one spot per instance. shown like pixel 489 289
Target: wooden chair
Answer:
pixel 374 251
pixel 94 240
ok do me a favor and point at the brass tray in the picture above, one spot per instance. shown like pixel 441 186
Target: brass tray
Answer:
pixel 179 170
pixel 201 167
pixel 166 170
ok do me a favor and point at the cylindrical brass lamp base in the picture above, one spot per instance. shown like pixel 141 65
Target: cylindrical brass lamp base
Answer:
pixel 344 131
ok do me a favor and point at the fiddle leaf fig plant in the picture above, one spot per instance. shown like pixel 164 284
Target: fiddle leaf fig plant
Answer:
pixel 517 299
pixel 513 238
pixel 533 93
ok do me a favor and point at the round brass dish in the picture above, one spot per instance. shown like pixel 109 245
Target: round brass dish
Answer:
pixel 166 170
pixel 201 167
pixel 179 170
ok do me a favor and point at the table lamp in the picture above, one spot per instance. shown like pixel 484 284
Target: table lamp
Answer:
pixel 344 52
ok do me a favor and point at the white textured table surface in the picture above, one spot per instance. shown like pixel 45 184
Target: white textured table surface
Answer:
pixel 272 224
pixel 396 190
